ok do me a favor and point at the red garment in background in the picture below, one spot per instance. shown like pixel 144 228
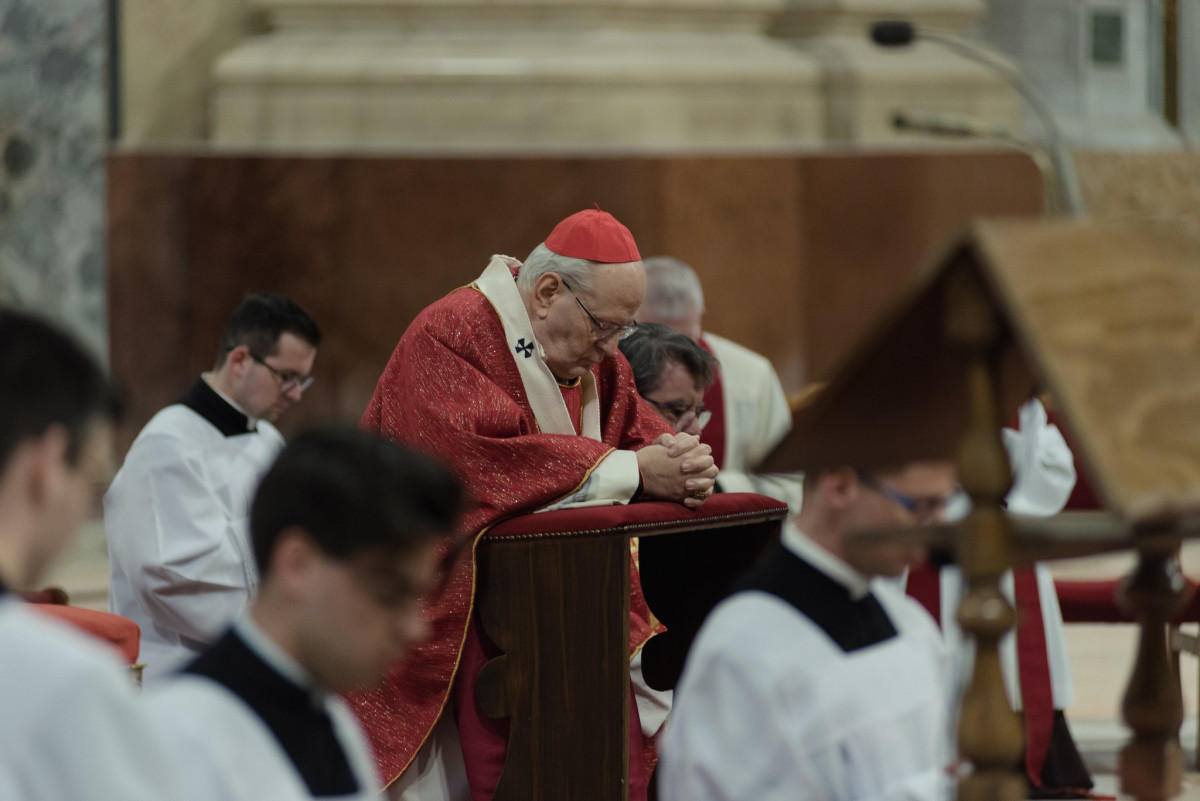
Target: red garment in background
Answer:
pixel 713 434
pixel 452 390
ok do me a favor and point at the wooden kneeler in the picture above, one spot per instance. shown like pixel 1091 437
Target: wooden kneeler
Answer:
pixel 553 595
pixel 1106 318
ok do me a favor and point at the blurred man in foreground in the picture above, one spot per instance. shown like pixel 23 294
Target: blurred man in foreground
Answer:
pixel 817 679
pixel 72 727
pixel 346 528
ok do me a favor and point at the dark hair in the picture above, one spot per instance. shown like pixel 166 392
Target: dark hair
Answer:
pixel 652 347
pixel 353 492
pixel 260 320
pixel 47 379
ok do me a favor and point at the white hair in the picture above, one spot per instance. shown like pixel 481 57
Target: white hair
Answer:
pixel 542 260
pixel 577 272
pixel 673 290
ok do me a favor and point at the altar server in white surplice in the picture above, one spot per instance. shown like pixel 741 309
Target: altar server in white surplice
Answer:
pixel 345 528
pixel 748 410
pixel 70 724
pixel 175 516
pixel 818 678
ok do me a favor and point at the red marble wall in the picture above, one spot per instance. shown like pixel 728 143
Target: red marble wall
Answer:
pixel 797 252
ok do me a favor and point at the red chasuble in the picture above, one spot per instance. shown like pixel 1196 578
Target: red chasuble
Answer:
pixel 452 390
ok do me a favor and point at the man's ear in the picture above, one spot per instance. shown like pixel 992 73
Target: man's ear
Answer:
pixel 544 289
pixel 47 456
pixel 238 360
pixel 838 486
pixel 292 559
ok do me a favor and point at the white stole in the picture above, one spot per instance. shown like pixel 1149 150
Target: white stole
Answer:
pixel 541 387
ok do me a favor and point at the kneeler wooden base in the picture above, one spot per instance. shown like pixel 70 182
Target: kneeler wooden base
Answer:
pixel 553 595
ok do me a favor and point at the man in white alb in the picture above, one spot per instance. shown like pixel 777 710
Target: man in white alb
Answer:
pixel 747 407
pixel 817 678
pixel 175 516
pixel 71 724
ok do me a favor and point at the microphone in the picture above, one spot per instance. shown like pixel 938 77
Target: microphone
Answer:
pixel 893 33
pixel 898 33
pixel 950 125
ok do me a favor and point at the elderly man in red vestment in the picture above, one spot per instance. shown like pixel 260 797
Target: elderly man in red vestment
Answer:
pixel 515 382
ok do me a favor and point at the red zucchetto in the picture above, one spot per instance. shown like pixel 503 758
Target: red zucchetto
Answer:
pixel 593 235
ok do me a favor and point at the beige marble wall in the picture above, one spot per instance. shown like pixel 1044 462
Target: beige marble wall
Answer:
pixel 167 50
pixel 536 74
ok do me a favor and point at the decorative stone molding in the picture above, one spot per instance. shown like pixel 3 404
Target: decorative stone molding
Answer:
pixel 518 75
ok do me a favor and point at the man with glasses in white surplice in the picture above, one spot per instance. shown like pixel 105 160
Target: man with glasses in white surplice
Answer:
pixel 176 514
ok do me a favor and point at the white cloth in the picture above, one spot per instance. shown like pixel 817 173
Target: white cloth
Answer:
pixel 757 417
pixel 770 707
pixel 72 725
pixel 177 522
pixel 616 478
pixel 1043 477
pixel 233 756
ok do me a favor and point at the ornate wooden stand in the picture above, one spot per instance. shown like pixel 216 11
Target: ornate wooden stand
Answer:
pixel 1152 762
pixel 990 733
pixel 553 594
pixel 1107 317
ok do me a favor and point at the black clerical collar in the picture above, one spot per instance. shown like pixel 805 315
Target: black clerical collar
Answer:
pixel 207 402
pixel 851 623
pixel 305 731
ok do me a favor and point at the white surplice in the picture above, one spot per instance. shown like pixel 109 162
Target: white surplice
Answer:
pixel 757 417
pixel 71 725
pixel 771 708
pixel 231 754
pixel 177 522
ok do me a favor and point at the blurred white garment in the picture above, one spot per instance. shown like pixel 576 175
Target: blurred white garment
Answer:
pixel 1044 475
pixel 73 727
pixel 756 418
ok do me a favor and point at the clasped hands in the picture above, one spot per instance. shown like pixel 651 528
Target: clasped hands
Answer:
pixel 677 467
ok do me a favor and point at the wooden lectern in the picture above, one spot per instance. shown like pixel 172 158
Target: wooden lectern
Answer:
pixel 1105 317
pixel 553 595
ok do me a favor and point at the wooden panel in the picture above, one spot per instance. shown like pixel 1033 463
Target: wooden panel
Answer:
pixel 873 222
pixel 559 611
pixel 797 251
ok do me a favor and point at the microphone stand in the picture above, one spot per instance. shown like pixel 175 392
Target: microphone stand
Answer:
pixel 1054 202
pixel 893 34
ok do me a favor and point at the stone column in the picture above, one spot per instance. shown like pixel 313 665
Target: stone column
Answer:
pixel 1098 62
pixel 52 137
pixel 518 75
pixel 1188 71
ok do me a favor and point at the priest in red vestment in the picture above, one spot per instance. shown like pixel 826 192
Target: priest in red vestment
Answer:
pixel 515 383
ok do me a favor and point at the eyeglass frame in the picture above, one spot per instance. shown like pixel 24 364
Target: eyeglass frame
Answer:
pixel 920 508
pixel 702 415
pixel 622 331
pixel 286 382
